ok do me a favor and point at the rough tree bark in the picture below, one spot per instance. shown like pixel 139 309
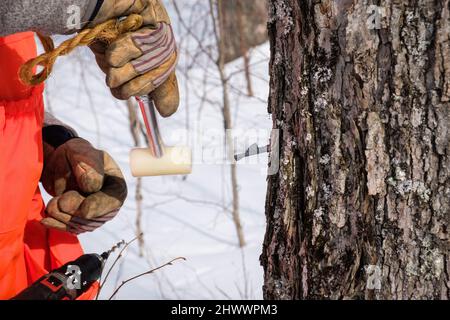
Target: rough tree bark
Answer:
pixel 361 96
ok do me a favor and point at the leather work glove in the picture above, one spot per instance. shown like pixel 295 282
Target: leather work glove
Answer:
pixel 87 185
pixel 138 62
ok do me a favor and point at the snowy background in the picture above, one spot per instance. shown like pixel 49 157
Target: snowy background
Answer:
pixel 182 216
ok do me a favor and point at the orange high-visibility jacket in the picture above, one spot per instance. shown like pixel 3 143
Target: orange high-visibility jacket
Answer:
pixel 27 249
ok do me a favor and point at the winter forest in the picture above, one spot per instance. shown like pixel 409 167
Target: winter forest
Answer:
pixel 320 141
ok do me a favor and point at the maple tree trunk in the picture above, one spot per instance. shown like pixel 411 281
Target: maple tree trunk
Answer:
pixel 361 95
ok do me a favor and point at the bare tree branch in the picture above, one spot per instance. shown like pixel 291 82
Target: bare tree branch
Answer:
pixel 144 274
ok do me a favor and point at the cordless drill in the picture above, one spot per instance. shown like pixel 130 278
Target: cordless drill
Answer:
pixel 67 282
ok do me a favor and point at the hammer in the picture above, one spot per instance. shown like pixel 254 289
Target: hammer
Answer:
pixel 159 159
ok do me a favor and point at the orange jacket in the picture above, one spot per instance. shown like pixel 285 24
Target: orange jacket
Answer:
pixel 27 249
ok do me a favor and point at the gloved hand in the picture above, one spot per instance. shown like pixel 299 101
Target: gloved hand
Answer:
pixel 138 62
pixel 87 185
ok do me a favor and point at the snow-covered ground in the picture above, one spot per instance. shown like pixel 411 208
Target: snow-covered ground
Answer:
pixel 182 216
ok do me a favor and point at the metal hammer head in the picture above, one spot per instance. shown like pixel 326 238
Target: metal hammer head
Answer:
pixel 175 161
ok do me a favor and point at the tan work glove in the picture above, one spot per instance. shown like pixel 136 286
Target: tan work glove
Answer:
pixel 138 62
pixel 87 185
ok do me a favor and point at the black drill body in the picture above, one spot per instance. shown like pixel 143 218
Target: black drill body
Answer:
pixel 67 282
